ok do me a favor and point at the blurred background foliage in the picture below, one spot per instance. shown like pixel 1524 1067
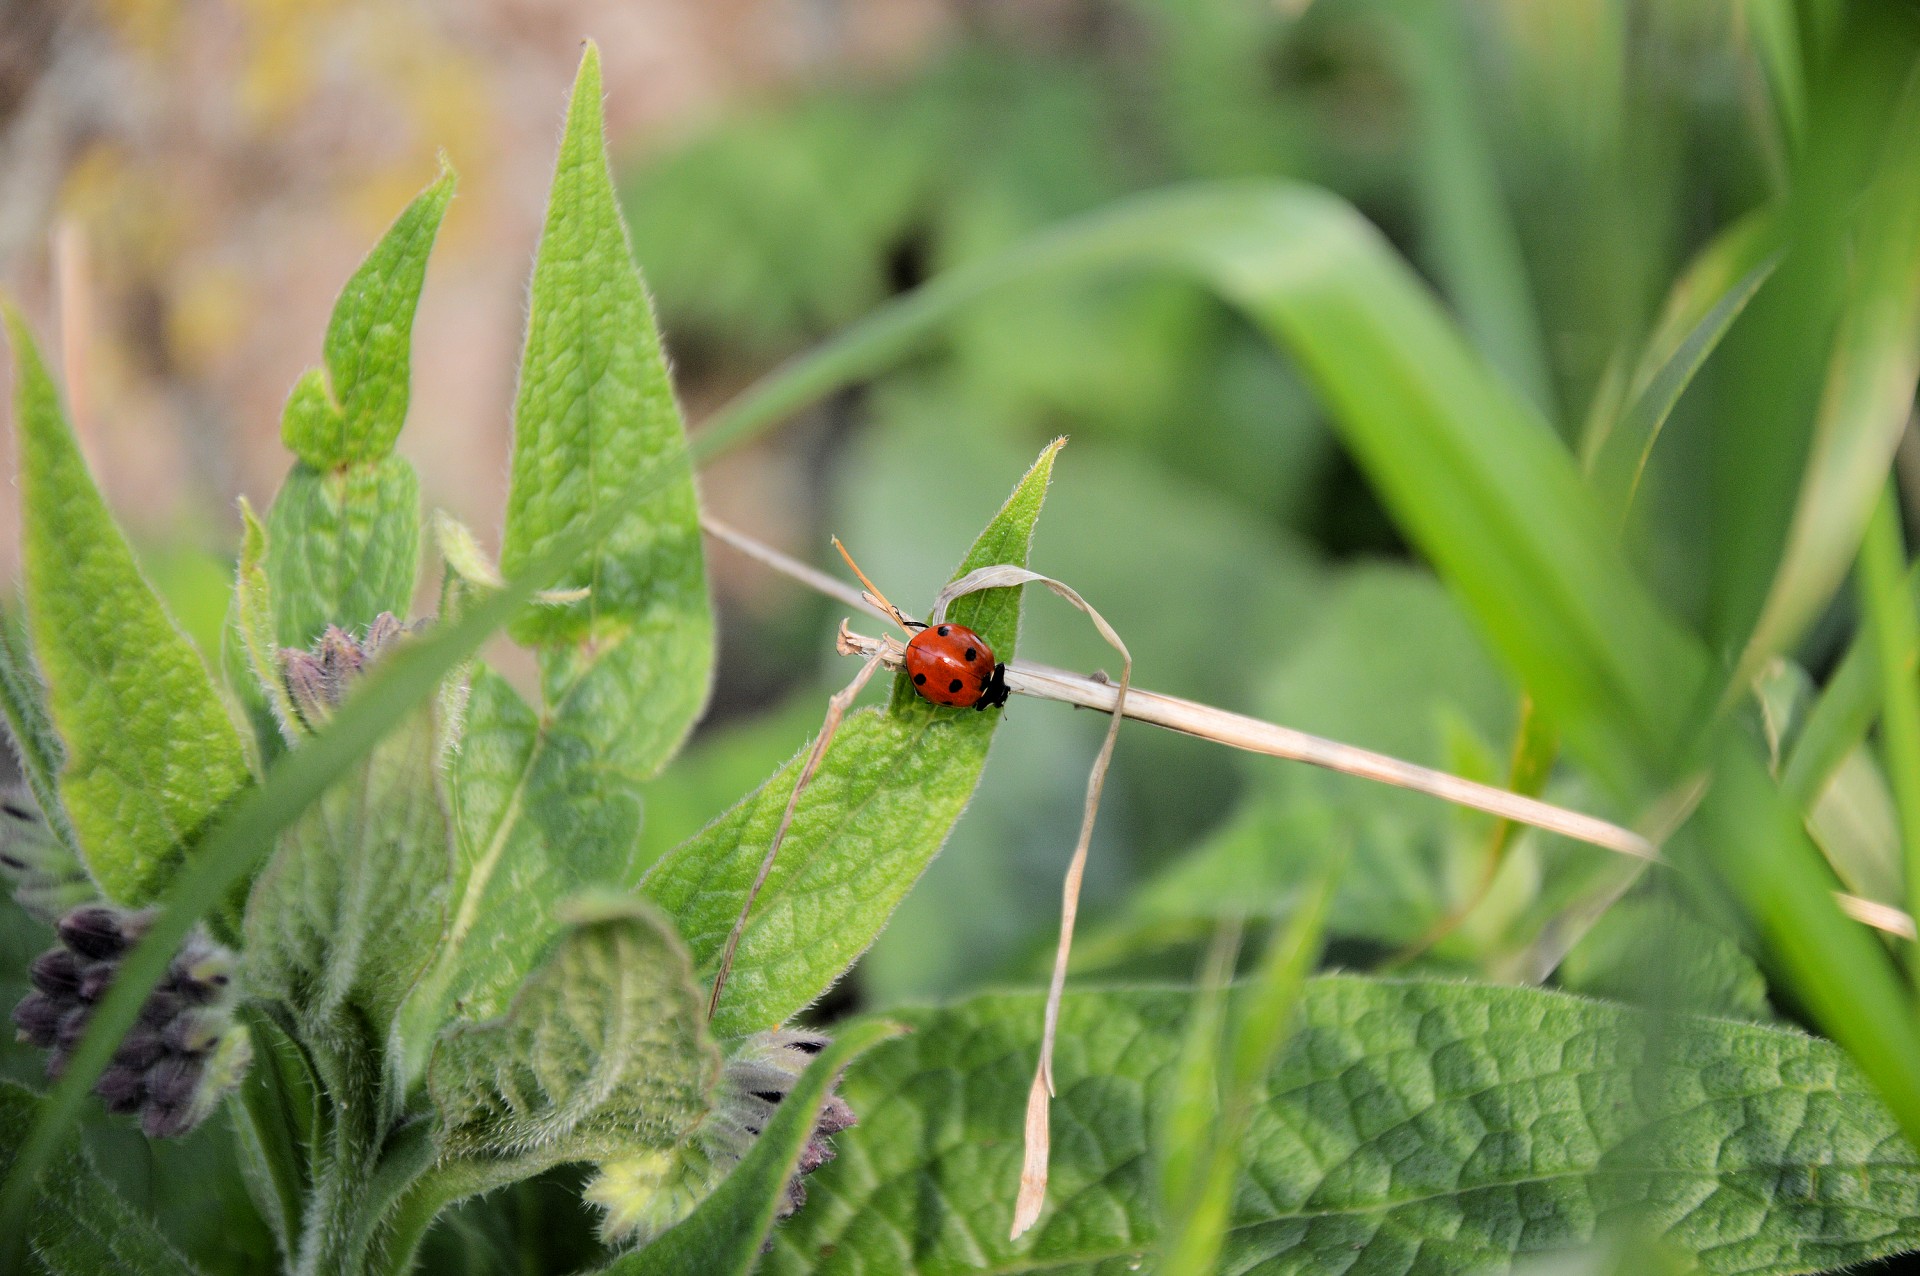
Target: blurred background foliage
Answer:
pixel 791 165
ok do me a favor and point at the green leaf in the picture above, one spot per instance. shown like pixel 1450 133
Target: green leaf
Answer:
pixel 1414 1128
pixel 151 754
pixel 724 1233
pixel 1700 970
pixel 1701 307
pixel 343 546
pixel 603 1052
pixel 352 412
pixel 347 912
pixel 255 626
pixel 36 745
pixel 1864 400
pixel 82 1226
pixel 595 409
pixel 892 784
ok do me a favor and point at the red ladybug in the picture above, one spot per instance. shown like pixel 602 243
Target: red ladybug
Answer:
pixel 950 664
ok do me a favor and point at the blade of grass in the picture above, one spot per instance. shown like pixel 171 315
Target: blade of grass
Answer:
pixel 1196 1237
pixel 1845 711
pixel 1702 306
pixel 1894 632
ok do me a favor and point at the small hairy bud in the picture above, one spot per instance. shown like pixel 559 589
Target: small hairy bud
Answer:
pixel 317 679
pixel 646 1194
pixel 184 1050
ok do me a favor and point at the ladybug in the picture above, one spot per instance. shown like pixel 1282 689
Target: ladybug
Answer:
pixel 952 665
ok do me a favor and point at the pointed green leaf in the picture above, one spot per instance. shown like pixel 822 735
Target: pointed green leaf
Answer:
pixel 1413 1128
pixel 594 411
pixel 352 412
pixel 36 745
pixel 343 546
pixel 723 1235
pixel 151 753
pixel 347 912
pixel 890 788
pixel 604 1050
pixel 254 624
pixel 82 1226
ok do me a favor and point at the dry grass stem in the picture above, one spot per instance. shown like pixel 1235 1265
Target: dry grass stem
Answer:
pixel 1255 736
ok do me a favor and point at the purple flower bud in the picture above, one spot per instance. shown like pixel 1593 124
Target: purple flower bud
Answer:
pixel 141 1048
pixel 162 1006
pixel 835 1116
pixel 816 1154
pixel 100 933
pixel 121 1088
pixel 56 972
pixel 38 1018
pixel 94 980
pixel 164 1121
pixel 172 1081
pixel 796 1197
pixel 194 1032
pixel 73 1026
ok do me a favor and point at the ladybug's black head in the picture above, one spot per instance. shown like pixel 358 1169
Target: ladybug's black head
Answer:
pixel 994 694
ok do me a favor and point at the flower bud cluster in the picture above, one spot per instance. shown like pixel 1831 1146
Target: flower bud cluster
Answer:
pixel 318 679
pixel 646 1194
pixel 184 1052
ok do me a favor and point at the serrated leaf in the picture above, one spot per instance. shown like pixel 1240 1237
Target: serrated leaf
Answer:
pixel 82 1226
pixel 343 546
pixel 725 1232
pixel 890 788
pixel 352 412
pixel 151 754
pixel 1416 1128
pixel 604 1050
pixel 347 912
pixel 594 411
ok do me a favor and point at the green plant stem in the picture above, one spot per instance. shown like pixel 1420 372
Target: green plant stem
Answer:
pixel 1845 711
pixel 1894 632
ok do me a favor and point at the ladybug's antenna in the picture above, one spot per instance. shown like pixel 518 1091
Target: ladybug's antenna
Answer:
pixel 874 595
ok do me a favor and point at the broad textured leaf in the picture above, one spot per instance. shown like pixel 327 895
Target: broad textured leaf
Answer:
pixel 892 784
pixel 594 412
pixel 352 412
pixel 81 1225
pixel 346 914
pixel 542 810
pixel 725 1232
pixel 604 1051
pixel 151 754
pixel 343 546
pixel 1416 1128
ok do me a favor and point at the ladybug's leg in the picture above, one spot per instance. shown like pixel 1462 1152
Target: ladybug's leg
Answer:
pixel 994 694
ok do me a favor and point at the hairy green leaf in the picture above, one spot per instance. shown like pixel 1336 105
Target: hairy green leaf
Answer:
pixel 343 545
pixel 604 1051
pixel 82 1226
pixel 346 913
pixel 351 413
pixel 595 409
pixel 1406 1127
pixel 892 784
pixel 36 745
pixel 725 1232
pixel 151 753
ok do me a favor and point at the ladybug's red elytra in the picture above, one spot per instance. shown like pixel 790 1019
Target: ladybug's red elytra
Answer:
pixel 952 665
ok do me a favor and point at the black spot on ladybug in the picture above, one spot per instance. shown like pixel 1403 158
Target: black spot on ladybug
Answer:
pixel 954 685
pixel 943 631
pixel 973 654
pixel 919 679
